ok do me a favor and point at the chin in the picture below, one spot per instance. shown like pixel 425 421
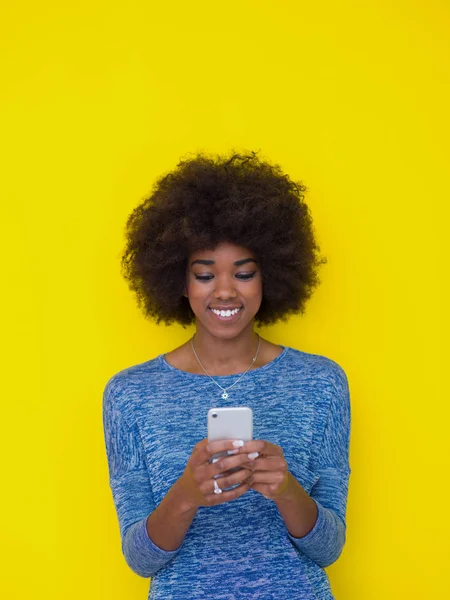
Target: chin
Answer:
pixel 227 332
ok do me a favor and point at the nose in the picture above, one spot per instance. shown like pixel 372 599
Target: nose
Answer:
pixel 225 288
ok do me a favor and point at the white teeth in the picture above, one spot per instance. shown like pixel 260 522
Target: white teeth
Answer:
pixel 225 313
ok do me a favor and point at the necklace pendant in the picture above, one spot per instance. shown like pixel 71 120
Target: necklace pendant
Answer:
pixel 225 395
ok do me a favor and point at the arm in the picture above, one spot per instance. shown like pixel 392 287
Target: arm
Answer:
pixel 168 524
pixel 323 543
pixel 133 497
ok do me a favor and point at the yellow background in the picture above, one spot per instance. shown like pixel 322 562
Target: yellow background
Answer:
pixel 100 98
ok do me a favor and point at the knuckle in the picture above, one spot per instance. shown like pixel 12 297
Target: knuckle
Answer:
pixel 226 463
pixel 197 475
pixel 218 467
pixel 244 477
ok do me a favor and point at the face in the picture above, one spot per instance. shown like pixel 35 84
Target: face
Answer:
pixel 224 288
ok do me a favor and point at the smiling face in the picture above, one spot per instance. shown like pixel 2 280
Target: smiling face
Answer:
pixel 224 288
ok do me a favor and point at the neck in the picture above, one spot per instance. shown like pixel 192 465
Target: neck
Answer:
pixel 226 356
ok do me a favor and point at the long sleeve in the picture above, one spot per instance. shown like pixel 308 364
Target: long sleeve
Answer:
pixel 324 543
pixel 131 488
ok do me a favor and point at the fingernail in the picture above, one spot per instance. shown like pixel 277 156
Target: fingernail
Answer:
pixel 253 455
pixel 238 444
pixel 214 460
pixel 233 451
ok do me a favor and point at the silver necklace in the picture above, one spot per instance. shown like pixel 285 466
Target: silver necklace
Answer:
pixel 225 390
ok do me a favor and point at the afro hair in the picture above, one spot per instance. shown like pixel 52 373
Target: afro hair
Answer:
pixel 206 200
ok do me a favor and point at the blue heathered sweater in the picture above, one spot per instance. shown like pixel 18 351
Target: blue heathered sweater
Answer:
pixel 154 414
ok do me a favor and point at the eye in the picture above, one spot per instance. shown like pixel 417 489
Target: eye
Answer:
pixel 203 277
pixel 245 276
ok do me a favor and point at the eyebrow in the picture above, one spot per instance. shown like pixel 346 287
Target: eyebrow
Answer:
pixel 238 263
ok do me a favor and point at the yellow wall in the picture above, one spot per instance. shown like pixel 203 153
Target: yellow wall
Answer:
pixel 97 100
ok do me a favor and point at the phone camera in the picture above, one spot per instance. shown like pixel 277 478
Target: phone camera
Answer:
pixel 214 415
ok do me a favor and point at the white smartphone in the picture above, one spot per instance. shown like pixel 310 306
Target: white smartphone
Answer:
pixel 230 423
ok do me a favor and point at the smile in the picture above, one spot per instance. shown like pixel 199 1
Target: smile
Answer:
pixel 226 314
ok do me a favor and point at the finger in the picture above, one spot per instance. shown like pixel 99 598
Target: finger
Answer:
pixel 209 470
pixel 199 455
pixel 227 495
pixel 224 445
pixel 262 447
pixel 204 450
pixel 270 463
pixel 226 481
pixel 268 478
pixel 231 471
pixel 227 464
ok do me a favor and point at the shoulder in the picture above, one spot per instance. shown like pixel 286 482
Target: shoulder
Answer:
pixel 328 388
pixel 316 366
pixel 129 384
pixel 325 379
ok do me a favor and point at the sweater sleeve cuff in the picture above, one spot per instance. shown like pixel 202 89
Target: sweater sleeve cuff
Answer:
pixel 324 543
pixel 310 541
pixel 142 555
pixel 146 543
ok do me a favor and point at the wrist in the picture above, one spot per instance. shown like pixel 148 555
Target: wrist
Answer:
pixel 298 510
pixel 181 499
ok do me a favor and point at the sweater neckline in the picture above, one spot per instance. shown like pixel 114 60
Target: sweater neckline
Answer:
pixel 267 366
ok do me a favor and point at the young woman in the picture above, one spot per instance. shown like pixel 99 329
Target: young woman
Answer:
pixel 225 243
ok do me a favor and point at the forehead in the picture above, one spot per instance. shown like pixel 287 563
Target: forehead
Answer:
pixel 224 252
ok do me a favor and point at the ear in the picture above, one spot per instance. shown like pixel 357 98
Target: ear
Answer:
pixel 185 294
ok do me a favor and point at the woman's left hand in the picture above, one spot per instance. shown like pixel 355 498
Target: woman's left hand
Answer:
pixel 270 469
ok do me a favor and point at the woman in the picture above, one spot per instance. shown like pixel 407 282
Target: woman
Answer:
pixel 226 243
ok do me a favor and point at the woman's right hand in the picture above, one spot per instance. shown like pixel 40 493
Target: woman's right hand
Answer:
pixel 197 481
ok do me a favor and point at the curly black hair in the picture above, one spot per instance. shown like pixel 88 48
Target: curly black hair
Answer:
pixel 206 200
